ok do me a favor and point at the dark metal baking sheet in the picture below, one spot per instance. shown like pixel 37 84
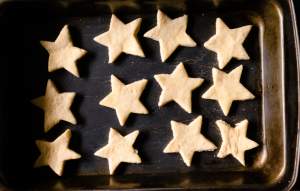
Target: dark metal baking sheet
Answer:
pixel 271 74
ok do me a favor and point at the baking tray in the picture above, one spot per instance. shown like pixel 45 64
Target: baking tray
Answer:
pixel 271 75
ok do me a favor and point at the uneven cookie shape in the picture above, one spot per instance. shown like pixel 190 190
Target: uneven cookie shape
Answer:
pixel 54 154
pixel 234 140
pixel 121 38
pixel 227 88
pixel 178 87
pixel 188 139
pixel 56 106
pixel 125 98
pixel 62 53
pixel 170 33
pixel 228 43
pixel 119 149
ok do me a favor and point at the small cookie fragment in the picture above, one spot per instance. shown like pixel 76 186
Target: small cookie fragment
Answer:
pixel 62 53
pixel 228 43
pixel 125 98
pixel 178 87
pixel 234 140
pixel 170 33
pixel 119 149
pixel 188 139
pixel 56 106
pixel 227 88
pixel 121 38
pixel 54 154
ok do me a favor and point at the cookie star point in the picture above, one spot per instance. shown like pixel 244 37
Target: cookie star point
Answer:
pixel 55 153
pixel 228 43
pixel 234 140
pixel 119 149
pixel 177 86
pixel 58 50
pixel 56 106
pixel 125 98
pixel 170 33
pixel 227 88
pixel 121 38
pixel 187 139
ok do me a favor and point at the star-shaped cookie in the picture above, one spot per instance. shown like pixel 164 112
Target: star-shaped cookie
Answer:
pixel 121 38
pixel 170 33
pixel 54 154
pixel 119 149
pixel 228 43
pixel 125 98
pixel 178 87
pixel 234 140
pixel 56 106
pixel 188 139
pixel 62 52
pixel 227 88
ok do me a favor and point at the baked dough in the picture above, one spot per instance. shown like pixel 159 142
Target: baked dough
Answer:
pixel 125 98
pixel 227 88
pixel 234 140
pixel 188 139
pixel 55 153
pixel 170 33
pixel 228 43
pixel 119 149
pixel 56 106
pixel 62 53
pixel 178 87
pixel 121 38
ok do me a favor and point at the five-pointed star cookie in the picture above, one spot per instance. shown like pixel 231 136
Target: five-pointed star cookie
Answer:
pixel 119 149
pixel 188 139
pixel 55 153
pixel 121 38
pixel 56 106
pixel 178 87
pixel 227 88
pixel 62 52
pixel 228 43
pixel 125 98
pixel 234 140
pixel 170 34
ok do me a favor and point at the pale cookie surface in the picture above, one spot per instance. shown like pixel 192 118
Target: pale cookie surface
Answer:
pixel 56 106
pixel 62 52
pixel 119 149
pixel 234 140
pixel 125 98
pixel 228 43
pixel 227 88
pixel 178 87
pixel 188 139
pixel 170 33
pixel 55 153
pixel 121 38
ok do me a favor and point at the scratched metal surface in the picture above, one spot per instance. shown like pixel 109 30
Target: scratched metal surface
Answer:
pixel 28 23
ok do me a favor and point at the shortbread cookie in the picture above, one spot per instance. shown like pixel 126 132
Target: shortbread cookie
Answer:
pixel 119 149
pixel 178 87
pixel 125 98
pixel 121 38
pixel 54 154
pixel 234 140
pixel 56 106
pixel 170 33
pixel 188 139
pixel 62 52
pixel 227 88
pixel 228 43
